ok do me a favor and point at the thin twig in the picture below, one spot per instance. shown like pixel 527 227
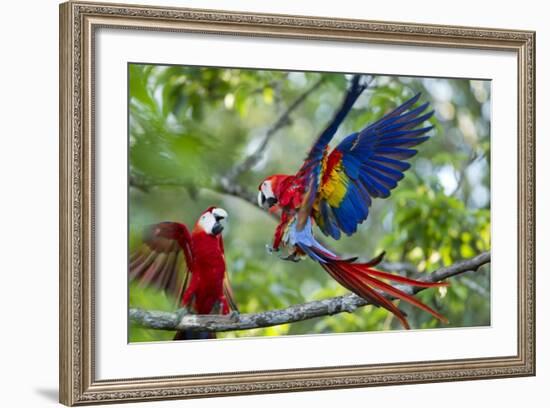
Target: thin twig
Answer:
pixel 283 121
pixel 145 184
pixel 296 313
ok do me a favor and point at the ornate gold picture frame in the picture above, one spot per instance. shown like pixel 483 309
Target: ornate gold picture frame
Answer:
pixel 79 23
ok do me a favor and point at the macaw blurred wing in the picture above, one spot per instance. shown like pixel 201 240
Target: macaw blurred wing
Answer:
pixel 228 293
pixel 164 258
pixel 367 165
pixel 227 289
pixel 311 169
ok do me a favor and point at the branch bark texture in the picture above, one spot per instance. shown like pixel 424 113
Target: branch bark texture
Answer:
pixel 326 307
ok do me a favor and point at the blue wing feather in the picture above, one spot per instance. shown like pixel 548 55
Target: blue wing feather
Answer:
pixel 378 190
pixel 317 150
pixel 391 163
pixel 386 181
pixel 329 223
pixel 389 171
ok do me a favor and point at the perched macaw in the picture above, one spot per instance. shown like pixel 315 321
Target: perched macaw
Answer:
pixel 190 266
pixel 335 189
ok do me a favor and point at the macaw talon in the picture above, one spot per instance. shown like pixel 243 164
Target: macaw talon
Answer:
pixel 293 257
pixel 234 316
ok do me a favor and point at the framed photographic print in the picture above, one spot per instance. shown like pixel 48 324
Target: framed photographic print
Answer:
pixel 261 203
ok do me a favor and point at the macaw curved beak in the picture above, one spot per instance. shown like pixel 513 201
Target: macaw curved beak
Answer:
pixel 218 225
pixel 217 228
pixel 266 202
pixel 271 201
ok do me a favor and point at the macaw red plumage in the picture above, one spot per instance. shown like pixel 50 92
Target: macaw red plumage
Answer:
pixel 189 266
pixel 334 189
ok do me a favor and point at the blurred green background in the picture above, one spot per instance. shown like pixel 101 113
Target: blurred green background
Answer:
pixel 189 126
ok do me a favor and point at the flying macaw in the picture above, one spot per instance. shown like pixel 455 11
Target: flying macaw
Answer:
pixel 335 189
pixel 189 266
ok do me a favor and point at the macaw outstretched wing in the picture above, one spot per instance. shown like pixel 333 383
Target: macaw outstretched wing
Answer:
pixel 311 169
pixel 164 258
pixel 365 165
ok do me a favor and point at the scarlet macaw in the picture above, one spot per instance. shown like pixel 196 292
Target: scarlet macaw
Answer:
pixel 190 266
pixel 335 190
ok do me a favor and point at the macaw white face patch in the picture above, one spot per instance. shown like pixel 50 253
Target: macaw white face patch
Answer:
pixel 219 213
pixel 267 189
pixel 209 219
pixel 265 193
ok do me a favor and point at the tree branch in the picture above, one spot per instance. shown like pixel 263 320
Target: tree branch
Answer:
pixel 145 184
pixel 400 267
pixel 327 307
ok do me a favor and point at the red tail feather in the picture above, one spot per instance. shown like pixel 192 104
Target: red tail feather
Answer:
pixel 404 280
pixel 351 281
pixel 363 281
pixel 405 296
